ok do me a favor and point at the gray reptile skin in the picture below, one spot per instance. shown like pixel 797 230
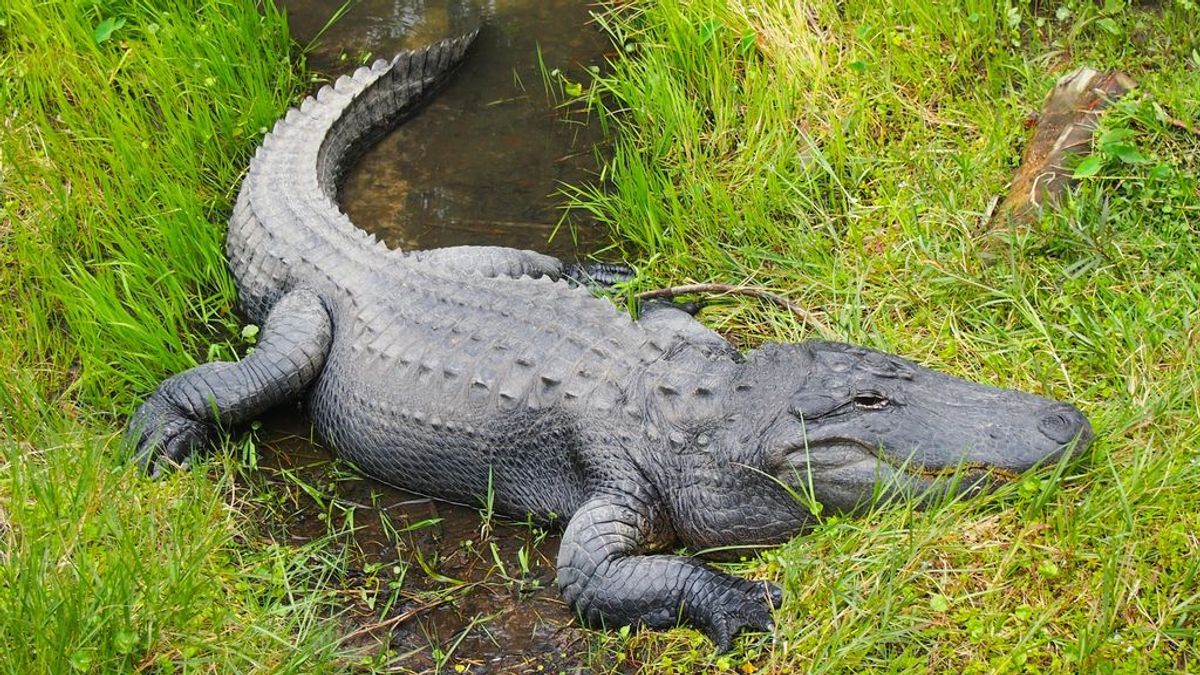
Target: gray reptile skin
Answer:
pixel 459 371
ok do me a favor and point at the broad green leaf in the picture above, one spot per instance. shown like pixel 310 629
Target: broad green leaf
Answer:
pixel 1089 167
pixel 125 641
pixel 1115 136
pixel 104 30
pixel 1109 25
pixel 939 602
pixel 1126 153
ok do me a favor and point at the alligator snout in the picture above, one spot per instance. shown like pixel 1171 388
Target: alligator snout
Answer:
pixel 1064 423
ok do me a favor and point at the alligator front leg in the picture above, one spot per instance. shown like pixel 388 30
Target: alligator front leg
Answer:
pixel 608 584
pixel 182 414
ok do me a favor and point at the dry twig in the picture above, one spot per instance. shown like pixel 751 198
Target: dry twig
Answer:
pixel 406 615
pixel 727 289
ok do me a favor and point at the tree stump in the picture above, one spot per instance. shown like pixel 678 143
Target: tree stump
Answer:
pixel 1064 129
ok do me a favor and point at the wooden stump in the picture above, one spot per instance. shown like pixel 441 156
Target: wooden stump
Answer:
pixel 1064 129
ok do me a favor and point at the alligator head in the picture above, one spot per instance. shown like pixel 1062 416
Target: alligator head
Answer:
pixel 859 424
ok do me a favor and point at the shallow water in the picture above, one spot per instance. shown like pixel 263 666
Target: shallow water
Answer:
pixel 482 164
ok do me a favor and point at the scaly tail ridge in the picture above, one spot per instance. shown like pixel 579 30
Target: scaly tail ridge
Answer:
pixel 286 229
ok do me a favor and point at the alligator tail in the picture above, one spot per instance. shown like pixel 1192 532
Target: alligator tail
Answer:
pixel 385 95
pixel 286 215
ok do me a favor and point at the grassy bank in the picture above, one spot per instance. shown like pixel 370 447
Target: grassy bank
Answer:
pixel 842 152
pixel 846 153
pixel 125 127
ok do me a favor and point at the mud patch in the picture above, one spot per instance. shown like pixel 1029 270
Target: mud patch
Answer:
pixel 429 586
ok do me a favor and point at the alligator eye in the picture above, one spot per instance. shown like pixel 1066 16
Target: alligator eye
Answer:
pixel 870 400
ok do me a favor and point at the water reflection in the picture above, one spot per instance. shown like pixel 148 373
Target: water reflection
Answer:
pixel 484 162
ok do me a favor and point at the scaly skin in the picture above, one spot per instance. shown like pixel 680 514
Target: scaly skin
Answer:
pixel 464 371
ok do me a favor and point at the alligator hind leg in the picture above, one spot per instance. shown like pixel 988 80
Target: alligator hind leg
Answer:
pixel 183 413
pixel 598 274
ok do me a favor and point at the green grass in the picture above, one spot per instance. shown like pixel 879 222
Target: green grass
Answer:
pixel 125 127
pixel 846 153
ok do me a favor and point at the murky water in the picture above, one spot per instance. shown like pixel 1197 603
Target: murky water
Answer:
pixel 484 162
pixel 434 586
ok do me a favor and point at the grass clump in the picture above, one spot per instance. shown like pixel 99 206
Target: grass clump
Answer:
pixel 125 126
pixel 846 153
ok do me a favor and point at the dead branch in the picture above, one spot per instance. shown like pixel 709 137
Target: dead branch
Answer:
pixel 727 289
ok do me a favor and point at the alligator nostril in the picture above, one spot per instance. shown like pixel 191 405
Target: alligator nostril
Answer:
pixel 1064 424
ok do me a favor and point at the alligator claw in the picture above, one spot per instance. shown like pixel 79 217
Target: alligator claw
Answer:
pixel 741 606
pixel 163 438
pixel 774 594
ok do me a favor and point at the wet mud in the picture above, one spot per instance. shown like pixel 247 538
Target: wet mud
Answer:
pixel 434 587
pixel 429 586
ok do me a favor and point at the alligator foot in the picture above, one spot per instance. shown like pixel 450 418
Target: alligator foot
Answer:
pixel 163 437
pixel 736 605
pixel 690 308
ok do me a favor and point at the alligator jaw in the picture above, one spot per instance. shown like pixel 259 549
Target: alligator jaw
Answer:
pixel 850 451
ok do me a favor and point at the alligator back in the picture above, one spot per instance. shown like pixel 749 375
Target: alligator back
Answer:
pixel 448 381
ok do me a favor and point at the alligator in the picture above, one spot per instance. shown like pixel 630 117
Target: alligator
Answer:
pixel 473 370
